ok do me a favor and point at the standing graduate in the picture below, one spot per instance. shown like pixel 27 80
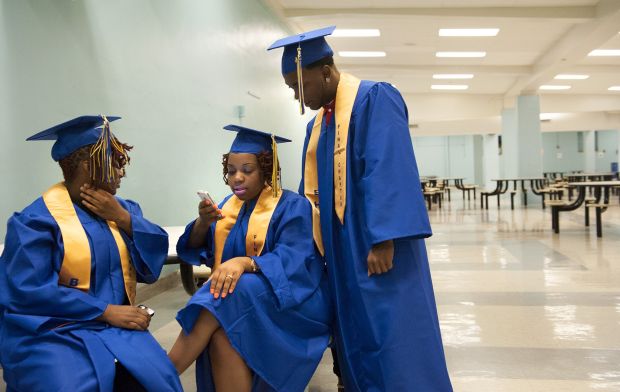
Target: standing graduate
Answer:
pixel 68 320
pixel 370 221
pixel 261 322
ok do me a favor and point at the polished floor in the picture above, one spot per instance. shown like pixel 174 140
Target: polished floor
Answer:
pixel 521 309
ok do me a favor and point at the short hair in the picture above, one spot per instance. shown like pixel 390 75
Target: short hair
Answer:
pixel 319 63
pixel 265 163
pixel 70 163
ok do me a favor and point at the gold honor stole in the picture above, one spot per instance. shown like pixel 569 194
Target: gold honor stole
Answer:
pixel 257 226
pixel 345 97
pixel 76 262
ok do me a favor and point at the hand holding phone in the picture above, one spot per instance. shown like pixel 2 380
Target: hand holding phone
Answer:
pixel 204 195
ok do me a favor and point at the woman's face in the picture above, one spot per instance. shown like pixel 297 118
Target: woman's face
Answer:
pixel 112 186
pixel 245 177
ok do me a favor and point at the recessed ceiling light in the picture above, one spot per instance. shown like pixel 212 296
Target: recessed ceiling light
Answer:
pixel 553 87
pixel 361 53
pixel 453 76
pixel 356 33
pixel 604 52
pixel 571 77
pixel 449 87
pixel 460 54
pixel 614 88
pixel 468 32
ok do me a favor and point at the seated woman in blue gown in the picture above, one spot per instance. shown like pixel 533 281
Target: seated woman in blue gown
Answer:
pixel 261 322
pixel 68 276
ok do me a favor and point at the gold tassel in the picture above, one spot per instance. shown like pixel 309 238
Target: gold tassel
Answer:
pixel 300 81
pixel 102 155
pixel 275 178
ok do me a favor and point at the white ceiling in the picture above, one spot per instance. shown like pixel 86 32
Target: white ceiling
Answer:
pixel 537 40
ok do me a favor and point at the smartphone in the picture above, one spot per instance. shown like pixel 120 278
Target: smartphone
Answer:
pixel 204 195
pixel 150 311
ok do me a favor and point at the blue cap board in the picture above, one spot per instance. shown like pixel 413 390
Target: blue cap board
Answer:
pixel 313 46
pixel 252 141
pixel 73 134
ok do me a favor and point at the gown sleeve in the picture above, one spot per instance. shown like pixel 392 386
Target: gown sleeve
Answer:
pixel 390 183
pixel 29 271
pixel 196 256
pixel 148 244
pixel 291 267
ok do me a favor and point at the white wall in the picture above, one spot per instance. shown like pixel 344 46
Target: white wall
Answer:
pixel 174 70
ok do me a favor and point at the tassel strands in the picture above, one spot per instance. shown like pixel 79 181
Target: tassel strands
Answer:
pixel 102 154
pixel 275 171
pixel 300 81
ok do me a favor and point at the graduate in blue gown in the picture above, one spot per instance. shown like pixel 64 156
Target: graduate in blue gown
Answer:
pixel 68 276
pixel 360 172
pixel 261 322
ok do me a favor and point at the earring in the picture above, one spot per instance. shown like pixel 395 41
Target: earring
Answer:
pixel 327 80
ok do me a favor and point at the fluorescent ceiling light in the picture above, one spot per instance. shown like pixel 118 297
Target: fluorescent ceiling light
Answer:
pixel 449 87
pixel 614 88
pixel 549 116
pixel 356 33
pixel 453 76
pixel 571 77
pixel 361 54
pixel 468 32
pixel 604 52
pixel 460 54
pixel 553 87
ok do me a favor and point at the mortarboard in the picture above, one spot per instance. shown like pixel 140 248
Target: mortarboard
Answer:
pixel 253 142
pixel 312 44
pixel 83 131
pixel 301 50
pixel 73 134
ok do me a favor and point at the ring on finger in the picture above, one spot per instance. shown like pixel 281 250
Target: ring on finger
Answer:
pixel 229 277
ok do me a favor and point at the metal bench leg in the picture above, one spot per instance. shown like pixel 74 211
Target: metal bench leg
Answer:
pixel 474 193
pixel 587 216
pixel 512 201
pixel 498 195
pixel 555 219
pixel 599 222
pixel 481 201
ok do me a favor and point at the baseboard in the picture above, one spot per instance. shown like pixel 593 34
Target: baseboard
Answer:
pixel 146 291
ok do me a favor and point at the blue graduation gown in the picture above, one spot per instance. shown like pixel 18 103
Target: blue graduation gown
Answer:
pixel 387 330
pixel 48 337
pixel 276 319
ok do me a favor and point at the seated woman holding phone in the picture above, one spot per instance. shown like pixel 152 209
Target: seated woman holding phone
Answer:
pixel 261 322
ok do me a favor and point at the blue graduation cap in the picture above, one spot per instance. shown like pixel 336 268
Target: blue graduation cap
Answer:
pixel 253 142
pixel 73 134
pixel 312 47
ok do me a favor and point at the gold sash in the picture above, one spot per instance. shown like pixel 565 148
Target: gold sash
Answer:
pixel 345 97
pixel 257 226
pixel 76 262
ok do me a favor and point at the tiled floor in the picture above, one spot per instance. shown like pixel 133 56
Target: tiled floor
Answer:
pixel 521 309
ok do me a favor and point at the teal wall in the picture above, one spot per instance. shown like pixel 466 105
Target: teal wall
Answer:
pixel 447 156
pixel 570 159
pixel 607 150
pixel 176 71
